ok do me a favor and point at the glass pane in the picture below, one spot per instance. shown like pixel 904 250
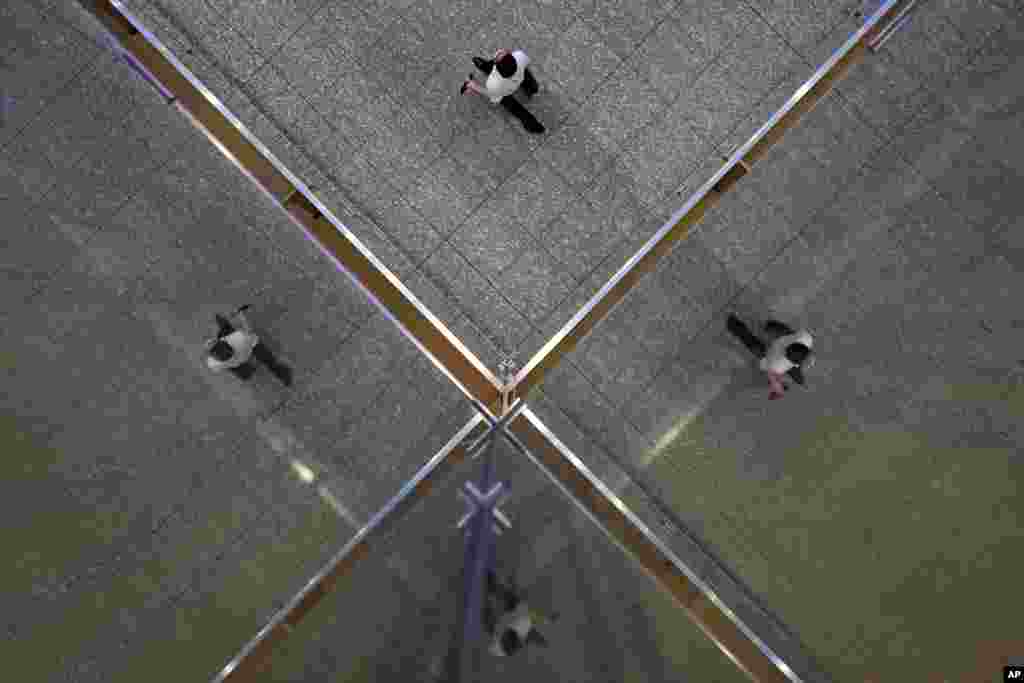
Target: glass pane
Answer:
pixel 397 615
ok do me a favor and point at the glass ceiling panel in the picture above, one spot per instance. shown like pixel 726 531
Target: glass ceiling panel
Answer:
pixel 397 615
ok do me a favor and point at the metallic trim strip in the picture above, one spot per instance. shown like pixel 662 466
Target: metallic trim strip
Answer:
pixel 384 518
pixel 892 27
pixel 697 196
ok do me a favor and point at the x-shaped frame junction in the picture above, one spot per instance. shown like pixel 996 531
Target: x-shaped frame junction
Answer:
pixel 499 403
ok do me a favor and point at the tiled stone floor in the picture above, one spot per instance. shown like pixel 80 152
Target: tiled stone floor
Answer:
pixel 178 511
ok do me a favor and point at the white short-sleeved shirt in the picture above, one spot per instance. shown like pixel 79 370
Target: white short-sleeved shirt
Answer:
pixel 499 87
pixel 775 359
pixel 518 620
pixel 242 343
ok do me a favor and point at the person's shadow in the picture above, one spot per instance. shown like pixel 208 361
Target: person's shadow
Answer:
pixel 269 359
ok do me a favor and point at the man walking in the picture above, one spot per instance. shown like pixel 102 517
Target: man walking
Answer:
pixel 505 74
pixel 788 354
pixel 516 626
pixel 233 347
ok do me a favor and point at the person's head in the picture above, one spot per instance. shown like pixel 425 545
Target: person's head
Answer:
pixel 511 642
pixel 798 353
pixel 221 350
pixel 506 65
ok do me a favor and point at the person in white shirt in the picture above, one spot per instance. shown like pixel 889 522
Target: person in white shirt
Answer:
pixel 789 352
pixel 233 348
pixel 517 625
pixel 505 74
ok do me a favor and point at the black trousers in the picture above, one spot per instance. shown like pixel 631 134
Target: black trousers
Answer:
pixel 757 346
pixel 511 104
pixel 260 352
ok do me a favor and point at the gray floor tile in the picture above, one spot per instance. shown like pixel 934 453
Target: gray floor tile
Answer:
pixel 576 154
pixel 762 110
pixel 745 245
pixel 536 283
pixel 272 24
pixel 311 57
pixel 27 169
pixel 580 61
pixel 533 196
pixel 975 19
pixel 700 275
pixel 501 141
pixel 350 380
pixel 609 350
pixel 532 26
pixel 979 186
pixel 624 26
pixel 41 58
pixel 445 25
pixel 715 103
pixel 34 248
pixel 792 182
pixel 384 245
pixel 834 136
pixel 806 23
pixel 443 307
pixel 622 105
pixel 662 155
pixel 616 198
pixel 491 239
pixel 669 59
pixel 930 47
pixel 580 238
pixel 479 343
pixel 712 26
pixel 489 311
pixel 411 235
pixel 402 58
pixel 758 59
pixel 433 195
pixel 883 93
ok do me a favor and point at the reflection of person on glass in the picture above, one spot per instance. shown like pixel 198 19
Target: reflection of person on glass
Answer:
pixel 516 626
pixel 788 354
pixel 505 74
pixel 234 346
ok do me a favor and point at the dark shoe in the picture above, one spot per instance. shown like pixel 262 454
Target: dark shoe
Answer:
pixel 534 126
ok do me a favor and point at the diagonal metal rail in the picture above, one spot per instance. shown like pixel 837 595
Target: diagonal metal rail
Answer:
pixel 182 90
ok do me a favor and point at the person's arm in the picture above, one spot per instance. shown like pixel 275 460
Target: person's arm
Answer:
pixel 475 87
pixel 777 385
pixel 243 322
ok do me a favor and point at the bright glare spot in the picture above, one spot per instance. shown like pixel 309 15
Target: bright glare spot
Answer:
pixel 342 511
pixel 669 437
pixel 305 474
